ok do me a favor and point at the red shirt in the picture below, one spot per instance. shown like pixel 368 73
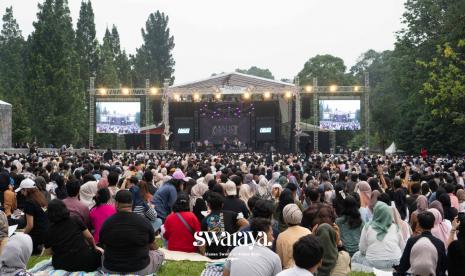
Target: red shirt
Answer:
pixel 178 236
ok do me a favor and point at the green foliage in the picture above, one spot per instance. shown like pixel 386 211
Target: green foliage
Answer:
pixel 327 69
pixel 255 71
pixel 53 64
pixel 107 75
pixel 12 90
pixel 154 60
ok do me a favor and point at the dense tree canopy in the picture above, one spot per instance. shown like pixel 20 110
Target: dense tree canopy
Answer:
pixel 259 72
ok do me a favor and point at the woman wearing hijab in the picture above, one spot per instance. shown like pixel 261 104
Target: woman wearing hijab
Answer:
pixel 87 193
pixel 364 191
pixel 263 190
pixel 335 262
pixel 245 193
pixel 14 258
pixel 461 198
pixel 276 191
pixel 381 242
pixel 441 229
pixel 422 206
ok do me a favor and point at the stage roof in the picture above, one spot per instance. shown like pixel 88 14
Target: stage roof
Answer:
pixel 234 79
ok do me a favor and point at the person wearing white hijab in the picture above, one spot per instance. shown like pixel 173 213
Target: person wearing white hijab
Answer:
pixel 197 192
pixel 87 192
pixel 14 258
pixel 263 189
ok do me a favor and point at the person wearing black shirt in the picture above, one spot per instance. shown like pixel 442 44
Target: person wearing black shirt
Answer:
pixel 108 155
pixel 232 202
pixel 128 240
pixel 426 222
pixel 71 244
pixel 456 249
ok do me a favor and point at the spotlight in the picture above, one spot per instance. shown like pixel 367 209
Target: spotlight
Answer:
pixel 218 96
pixel 177 97
pixel 288 94
pixel 333 88
pixel 356 88
pixel 267 95
pixel 196 97
pixel 308 88
pixel 153 90
pixel 246 95
pixel 125 91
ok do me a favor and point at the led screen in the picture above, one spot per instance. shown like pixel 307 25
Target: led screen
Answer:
pixel 340 114
pixel 117 117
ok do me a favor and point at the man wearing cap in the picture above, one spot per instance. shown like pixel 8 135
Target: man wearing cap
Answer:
pixel 232 202
pixel 292 217
pixel 128 240
pixel 165 197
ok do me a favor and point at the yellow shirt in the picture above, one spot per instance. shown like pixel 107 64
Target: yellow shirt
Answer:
pixel 285 242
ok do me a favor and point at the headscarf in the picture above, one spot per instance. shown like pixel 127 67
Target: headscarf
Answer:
pixel 102 183
pixel 282 180
pixel 245 193
pixel 17 252
pixel 197 191
pixel 382 219
pixel 405 229
pixel 263 190
pixel 438 206
pixel 40 183
pixel 248 178
pixel 364 190
pixel 422 204
pixel 441 229
pixel 423 258
pixel 87 193
pixel 461 195
pixel 274 178
pixel 208 177
pixel 327 238
pixel 374 198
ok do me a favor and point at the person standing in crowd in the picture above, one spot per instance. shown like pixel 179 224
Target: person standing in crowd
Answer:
pixel 128 241
pixel 350 224
pixel 69 241
pixel 335 262
pixel 180 226
pixel 76 208
pixel 101 211
pixel 165 197
pixel 456 249
pixel 441 229
pixel 424 254
pixel 292 216
pixel 381 242
pixel 34 209
pixel 254 259
pixel 308 255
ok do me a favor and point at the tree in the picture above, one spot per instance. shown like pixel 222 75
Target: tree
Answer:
pixel 328 69
pixel 86 42
pixel 107 75
pixel 53 66
pixel 255 71
pixel 12 48
pixel 445 88
pixel 154 60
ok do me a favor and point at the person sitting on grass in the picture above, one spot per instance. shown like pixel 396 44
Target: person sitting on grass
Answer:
pixel 181 225
pixel 308 256
pixel 69 241
pixel 129 241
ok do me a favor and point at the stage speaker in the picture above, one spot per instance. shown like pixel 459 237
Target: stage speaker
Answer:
pixel 306 103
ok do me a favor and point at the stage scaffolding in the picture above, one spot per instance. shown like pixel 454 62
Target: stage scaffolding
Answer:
pixel 256 89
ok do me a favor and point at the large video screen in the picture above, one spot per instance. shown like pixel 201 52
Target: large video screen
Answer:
pixel 340 114
pixel 117 117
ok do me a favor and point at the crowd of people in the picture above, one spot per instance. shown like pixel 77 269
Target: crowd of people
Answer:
pixel 319 214
pixel 336 125
pixel 118 129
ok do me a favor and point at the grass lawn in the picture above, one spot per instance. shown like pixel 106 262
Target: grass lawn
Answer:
pixel 175 268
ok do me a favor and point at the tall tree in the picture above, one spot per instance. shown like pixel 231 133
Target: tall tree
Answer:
pixel 107 75
pixel 53 66
pixel 328 69
pixel 255 71
pixel 154 59
pixel 86 42
pixel 12 48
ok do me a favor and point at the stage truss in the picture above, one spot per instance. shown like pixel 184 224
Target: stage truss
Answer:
pixel 217 93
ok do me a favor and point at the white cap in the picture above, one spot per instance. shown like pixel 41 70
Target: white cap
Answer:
pixel 26 184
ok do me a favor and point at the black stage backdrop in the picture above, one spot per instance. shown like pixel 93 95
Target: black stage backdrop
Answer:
pixel 214 130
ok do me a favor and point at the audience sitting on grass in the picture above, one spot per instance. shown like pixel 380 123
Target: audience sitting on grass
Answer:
pixel 366 205
pixel 15 256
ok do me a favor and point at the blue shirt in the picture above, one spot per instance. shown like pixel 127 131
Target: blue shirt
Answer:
pixel 164 199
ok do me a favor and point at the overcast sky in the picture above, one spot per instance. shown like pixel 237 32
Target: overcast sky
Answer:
pixel 214 36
